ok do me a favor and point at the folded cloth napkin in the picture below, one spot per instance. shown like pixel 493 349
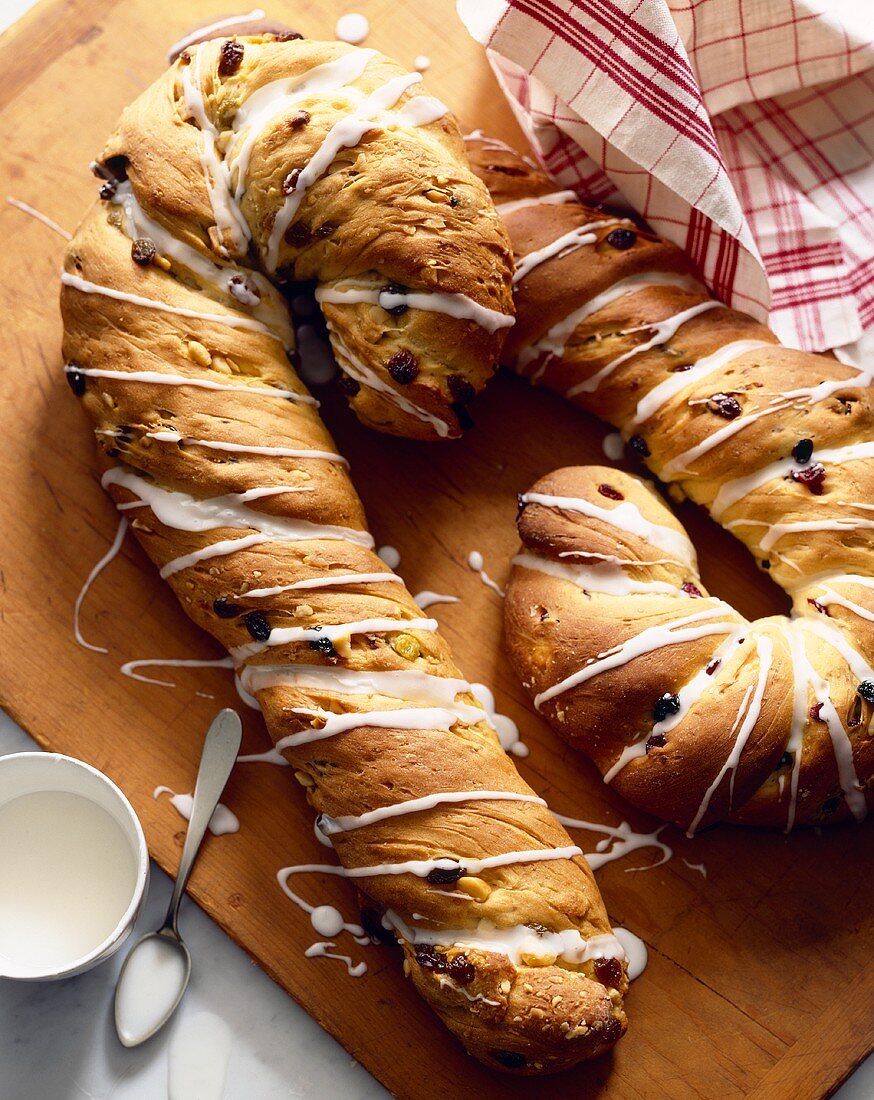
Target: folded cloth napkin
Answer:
pixel 741 130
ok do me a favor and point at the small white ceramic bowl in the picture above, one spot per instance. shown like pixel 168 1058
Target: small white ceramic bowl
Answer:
pixel 31 772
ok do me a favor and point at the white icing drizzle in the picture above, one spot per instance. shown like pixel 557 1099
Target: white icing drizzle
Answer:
pixel 323 951
pixel 246 287
pixel 488 142
pixel 552 198
pixel 459 306
pixel 162 378
pixel 367 377
pixel 207 31
pixel 110 554
pixel 699 867
pixel 348 823
pixel 173 436
pixel 421 63
pixel 427 598
pixel 333 632
pixel 680 464
pixel 130 667
pixel 270 756
pixel 390 555
pixel 230 319
pixel 421 868
pixel 404 718
pixel 747 716
pixel 516 942
pixel 562 246
pixel 613 446
pixel 503 725
pixel 776 531
pixel 25 208
pixel 222 821
pixel 647 641
pixel 229 221
pixel 635 951
pixel 605 577
pixel 736 489
pixel 475 562
pixel 267 103
pixel 680 380
pixel 552 343
pixel 689 694
pixel 346 134
pixel 837 640
pixel 662 331
pixel 324 582
pixel 625 517
pixel 619 841
pixel 829 596
pixel 352 28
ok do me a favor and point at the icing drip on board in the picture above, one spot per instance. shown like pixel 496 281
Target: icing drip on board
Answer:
pixel 109 556
pixel 222 821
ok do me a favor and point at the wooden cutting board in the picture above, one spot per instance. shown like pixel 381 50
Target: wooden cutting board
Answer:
pixel 758 983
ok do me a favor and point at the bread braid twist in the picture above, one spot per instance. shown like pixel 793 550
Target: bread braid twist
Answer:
pixel 215 450
pixel 775 443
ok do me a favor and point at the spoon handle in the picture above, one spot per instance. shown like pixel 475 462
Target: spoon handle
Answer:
pixel 220 749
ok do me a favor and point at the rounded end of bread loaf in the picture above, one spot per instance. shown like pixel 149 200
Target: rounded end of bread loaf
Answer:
pixel 525 1019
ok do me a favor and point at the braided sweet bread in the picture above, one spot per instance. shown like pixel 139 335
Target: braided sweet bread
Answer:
pixel 212 446
pixel 319 161
pixel 689 710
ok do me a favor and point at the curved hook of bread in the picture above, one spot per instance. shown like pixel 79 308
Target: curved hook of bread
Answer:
pixel 775 443
pixel 321 161
pixel 690 711
pixel 216 453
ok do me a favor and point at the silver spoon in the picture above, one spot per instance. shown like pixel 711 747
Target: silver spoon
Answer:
pixel 220 749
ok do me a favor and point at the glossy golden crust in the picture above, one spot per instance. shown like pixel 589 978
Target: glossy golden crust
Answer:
pixel 776 443
pixel 239 463
pixel 399 208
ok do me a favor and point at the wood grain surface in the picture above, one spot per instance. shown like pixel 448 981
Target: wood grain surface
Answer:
pixel 759 981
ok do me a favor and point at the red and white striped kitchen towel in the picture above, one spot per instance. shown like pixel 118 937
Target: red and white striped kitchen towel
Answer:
pixel 743 130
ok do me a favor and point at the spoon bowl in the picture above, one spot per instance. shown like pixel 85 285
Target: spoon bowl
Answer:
pixel 156 971
pixel 150 985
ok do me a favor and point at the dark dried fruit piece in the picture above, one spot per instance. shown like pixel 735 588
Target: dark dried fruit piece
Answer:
pixel 803 450
pixel 815 712
pixel 290 181
pixel 298 234
pixel 429 958
pixel 143 251
pixel 510 1059
pixel 691 590
pixel 608 972
pixel 666 704
pixel 461 969
pixel 820 607
pixel 108 189
pixel 713 666
pixel 465 420
pixel 622 239
pixel 403 367
pixel 609 492
pixel 225 609
pixel 866 690
pixel 230 57
pixel 349 385
pixel 461 390
pixel 323 645
pixel 655 741
pixel 258 626
pixel 298 121
pixel 812 477
pixel 76 380
pixel 325 230
pixel 638 444
pixel 394 288
pixel 445 876
pixel 724 405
